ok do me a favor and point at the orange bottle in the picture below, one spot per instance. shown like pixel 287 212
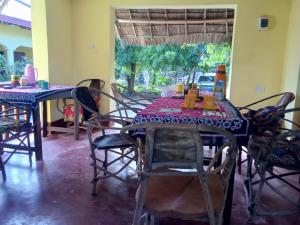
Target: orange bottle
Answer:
pixel 220 82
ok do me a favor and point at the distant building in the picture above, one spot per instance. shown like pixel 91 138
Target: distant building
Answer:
pixel 15 33
pixel 15 38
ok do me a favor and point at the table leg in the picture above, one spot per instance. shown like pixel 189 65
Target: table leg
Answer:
pixel 3 108
pixel 37 133
pixel 76 120
pixel 45 123
pixel 228 202
pixel 1 144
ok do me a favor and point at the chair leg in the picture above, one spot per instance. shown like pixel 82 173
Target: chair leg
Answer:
pixel 95 177
pixel 122 152
pixel 239 162
pixel 299 197
pixel 151 220
pixel 249 187
pixel 29 148
pixel 139 208
pixel 257 196
pixel 2 168
pixel 105 160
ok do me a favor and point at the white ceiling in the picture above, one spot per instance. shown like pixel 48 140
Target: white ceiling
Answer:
pixel 20 9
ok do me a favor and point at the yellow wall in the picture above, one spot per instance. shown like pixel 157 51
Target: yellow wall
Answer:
pixel 257 56
pixel 291 70
pixel 80 38
pixel 51 28
pixel 59 41
pixel 39 38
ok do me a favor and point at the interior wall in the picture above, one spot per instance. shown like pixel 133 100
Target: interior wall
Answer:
pixel 257 55
pixel 52 50
pixel 296 116
pixel 40 38
pixel 291 69
pixel 59 41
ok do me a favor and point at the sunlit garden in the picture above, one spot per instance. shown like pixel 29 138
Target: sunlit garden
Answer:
pixel 151 68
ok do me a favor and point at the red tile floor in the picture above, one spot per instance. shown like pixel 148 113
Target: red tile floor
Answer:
pixel 57 191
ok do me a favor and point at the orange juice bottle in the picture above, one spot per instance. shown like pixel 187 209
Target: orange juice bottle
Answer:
pixel 220 82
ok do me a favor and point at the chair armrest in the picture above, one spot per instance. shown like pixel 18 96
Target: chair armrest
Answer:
pixel 97 122
pixel 259 101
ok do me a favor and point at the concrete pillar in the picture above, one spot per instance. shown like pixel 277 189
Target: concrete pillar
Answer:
pixel 10 57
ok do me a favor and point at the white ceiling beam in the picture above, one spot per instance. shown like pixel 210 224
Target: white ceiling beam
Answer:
pixel 132 24
pixel 149 22
pixel 185 26
pixel 204 25
pixel 226 16
pixel 167 25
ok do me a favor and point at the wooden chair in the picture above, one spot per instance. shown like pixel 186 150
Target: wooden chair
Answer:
pixel 109 142
pixel 137 100
pixel 274 157
pixel 263 119
pixel 173 179
pixel 14 126
pixel 66 106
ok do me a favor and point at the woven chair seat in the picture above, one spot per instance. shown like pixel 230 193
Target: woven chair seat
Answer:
pixel 8 124
pixel 182 196
pixel 285 156
pixel 112 141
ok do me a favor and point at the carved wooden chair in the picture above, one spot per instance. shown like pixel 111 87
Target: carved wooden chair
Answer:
pixel 108 147
pixel 263 119
pixel 173 179
pixel 274 157
pixel 14 126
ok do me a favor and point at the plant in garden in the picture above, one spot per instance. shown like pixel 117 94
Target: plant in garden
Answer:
pixel 193 59
pixel 219 54
pixel 126 62
pixel 4 70
pixel 163 64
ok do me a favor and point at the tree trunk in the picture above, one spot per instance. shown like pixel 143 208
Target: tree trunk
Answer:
pixel 193 74
pixel 131 77
pixel 154 79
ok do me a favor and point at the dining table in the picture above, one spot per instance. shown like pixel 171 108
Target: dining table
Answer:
pixel 224 115
pixel 32 96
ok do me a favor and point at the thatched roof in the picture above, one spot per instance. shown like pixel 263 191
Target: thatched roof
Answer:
pixel 177 26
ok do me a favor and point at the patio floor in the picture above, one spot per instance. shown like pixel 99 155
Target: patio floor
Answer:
pixel 57 191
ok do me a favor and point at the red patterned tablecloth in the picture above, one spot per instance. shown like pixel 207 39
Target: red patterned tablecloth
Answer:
pixel 168 110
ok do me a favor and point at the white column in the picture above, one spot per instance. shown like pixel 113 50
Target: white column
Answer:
pixel 10 57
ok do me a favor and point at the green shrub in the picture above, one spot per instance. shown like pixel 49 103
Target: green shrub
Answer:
pixel 4 70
